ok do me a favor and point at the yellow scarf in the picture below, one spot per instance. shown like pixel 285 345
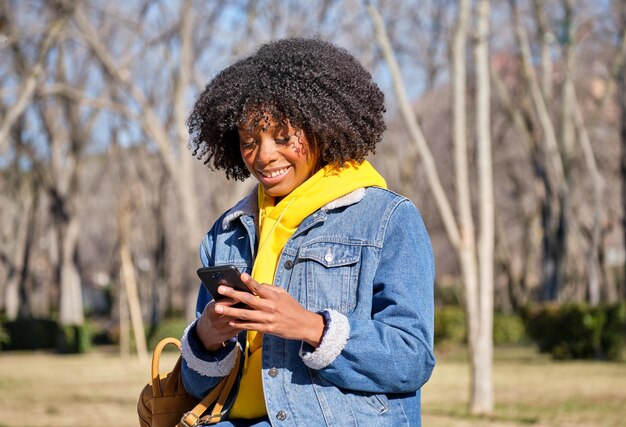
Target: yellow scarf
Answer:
pixel 277 223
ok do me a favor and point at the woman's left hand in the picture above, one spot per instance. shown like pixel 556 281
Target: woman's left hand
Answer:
pixel 271 310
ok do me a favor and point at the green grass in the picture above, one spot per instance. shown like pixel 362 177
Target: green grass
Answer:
pixel 101 389
pixel 530 390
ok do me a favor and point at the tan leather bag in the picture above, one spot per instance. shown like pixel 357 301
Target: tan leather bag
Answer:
pixel 164 402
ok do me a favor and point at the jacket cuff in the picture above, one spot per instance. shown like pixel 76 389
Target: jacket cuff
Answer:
pixel 217 364
pixel 333 342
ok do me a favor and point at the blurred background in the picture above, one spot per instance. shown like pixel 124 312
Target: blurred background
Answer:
pixel 506 127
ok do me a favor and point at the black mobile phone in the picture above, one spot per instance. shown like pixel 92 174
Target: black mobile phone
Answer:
pixel 227 275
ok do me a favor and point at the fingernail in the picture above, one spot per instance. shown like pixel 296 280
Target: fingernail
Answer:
pixel 222 289
pixel 219 309
pixel 245 276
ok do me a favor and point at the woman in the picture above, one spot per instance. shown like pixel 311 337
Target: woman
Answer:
pixel 338 327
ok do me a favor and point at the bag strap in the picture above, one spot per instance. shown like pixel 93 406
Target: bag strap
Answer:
pixel 220 393
pixel 156 360
pixel 216 413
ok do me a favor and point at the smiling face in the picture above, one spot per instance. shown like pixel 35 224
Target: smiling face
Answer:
pixel 279 157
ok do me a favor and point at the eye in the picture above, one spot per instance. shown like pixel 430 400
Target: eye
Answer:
pixel 283 141
pixel 248 143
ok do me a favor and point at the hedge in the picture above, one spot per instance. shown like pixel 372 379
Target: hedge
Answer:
pixel 451 327
pixel 578 330
pixel 45 334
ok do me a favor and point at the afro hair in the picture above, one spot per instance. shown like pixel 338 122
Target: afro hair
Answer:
pixel 314 85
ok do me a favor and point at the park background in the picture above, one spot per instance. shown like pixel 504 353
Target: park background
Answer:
pixel 506 127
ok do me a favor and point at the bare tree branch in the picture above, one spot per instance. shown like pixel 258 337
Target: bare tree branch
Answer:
pixel 30 83
pixel 415 131
pixel 550 140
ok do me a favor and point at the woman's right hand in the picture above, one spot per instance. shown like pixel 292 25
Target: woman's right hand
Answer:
pixel 213 328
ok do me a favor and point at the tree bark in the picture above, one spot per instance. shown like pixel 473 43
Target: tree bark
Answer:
pixel 482 395
pixel 128 278
pixel 594 264
pixel 18 256
pixel 621 100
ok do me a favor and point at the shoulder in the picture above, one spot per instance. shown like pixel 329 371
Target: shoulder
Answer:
pixel 386 203
pixel 226 224
pixel 392 211
pixel 247 206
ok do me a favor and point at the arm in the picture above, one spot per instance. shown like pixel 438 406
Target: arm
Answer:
pixel 399 335
pixel 205 362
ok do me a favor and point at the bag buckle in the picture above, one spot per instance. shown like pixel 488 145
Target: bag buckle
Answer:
pixel 184 421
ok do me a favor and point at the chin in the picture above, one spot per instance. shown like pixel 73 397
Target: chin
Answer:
pixel 277 192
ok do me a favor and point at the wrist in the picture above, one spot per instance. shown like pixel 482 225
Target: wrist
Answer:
pixel 315 331
pixel 213 348
pixel 205 336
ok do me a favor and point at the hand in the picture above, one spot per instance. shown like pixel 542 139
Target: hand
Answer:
pixel 270 310
pixel 214 328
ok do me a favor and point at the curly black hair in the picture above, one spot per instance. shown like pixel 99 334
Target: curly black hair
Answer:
pixel 314 85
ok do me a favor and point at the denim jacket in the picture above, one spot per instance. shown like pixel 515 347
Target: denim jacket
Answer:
pixel 366 260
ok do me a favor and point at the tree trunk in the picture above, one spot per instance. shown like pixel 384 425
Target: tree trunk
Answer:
pixel 594 262
pixel 71 299
pixel 482 393
pixel 621 99
pixel 128 280
pixel 15 262
pixel 550 168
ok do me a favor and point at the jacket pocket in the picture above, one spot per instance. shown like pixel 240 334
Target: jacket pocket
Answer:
pixel 377 402
pixel 331 273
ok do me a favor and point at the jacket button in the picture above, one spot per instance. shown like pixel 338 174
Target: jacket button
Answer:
pixel 273 372
pixel 281 415
pixel 288 264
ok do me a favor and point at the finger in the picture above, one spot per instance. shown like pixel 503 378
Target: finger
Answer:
pixel 247 326
pixel 252 284
pixel 261 290
pixel 243 315
pixel 244 297
pixel 226 302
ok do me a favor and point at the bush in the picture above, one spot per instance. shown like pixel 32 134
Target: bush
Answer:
pixel 172 327
pixel 508 329
pixel 30 334
pixel 613 338
pixel 74 339
pixel 451 327
pixel 578 331
pixel 45 334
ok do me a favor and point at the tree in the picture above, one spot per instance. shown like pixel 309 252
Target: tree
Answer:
pixel 621 99
pixel 478 289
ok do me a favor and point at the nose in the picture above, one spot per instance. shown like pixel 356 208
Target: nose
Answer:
pixel 267 152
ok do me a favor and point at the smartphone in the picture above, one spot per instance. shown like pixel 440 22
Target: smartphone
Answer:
pixel 226 275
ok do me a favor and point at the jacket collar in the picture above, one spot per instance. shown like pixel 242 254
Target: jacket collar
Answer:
pixel 248 206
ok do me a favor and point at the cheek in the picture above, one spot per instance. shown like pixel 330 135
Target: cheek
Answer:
pixel 300 148
pixel 248 159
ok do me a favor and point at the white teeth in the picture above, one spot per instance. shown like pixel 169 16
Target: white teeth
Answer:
pixel 275 173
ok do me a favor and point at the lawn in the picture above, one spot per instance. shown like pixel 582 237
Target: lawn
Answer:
pixel 530 390
pixel 100 389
